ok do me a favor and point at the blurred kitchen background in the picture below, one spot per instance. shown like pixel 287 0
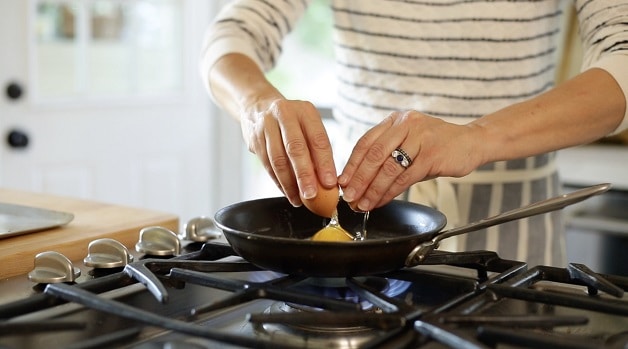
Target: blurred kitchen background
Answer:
pixel 101 99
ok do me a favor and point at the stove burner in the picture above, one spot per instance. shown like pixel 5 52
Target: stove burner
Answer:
pixel 322 323
pixel 337 288
pixel 175 344
pixel 321 328
pixel 314 320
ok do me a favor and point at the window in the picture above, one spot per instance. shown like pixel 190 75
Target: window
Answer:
pixel 101 49
pixel 304 71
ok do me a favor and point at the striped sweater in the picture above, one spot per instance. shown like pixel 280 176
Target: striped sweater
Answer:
pixel 454 59
pixel 451 58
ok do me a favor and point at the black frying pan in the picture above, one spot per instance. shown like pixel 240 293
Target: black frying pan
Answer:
pixel 272 234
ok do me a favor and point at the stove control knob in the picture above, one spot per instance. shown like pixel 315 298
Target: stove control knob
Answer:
pixel 200 229
pixel 158 241
pixel 107 253
pixel 53 267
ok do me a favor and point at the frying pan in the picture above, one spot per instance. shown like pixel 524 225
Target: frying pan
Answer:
pixel 274 235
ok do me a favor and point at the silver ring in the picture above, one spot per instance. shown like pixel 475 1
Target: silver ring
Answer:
pixel 401 157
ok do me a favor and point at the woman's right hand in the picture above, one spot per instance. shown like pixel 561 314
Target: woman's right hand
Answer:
pixel 289 138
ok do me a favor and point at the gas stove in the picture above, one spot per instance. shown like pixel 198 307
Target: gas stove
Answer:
pixel 202 295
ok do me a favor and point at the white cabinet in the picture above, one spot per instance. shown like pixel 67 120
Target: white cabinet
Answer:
pixel 597 229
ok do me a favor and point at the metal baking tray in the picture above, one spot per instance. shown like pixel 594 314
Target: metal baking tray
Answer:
pixel 18 219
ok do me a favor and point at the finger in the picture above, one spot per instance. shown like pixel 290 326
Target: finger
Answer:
pixel 375 161
pixel 399 185
pixel 357 157
pixel 278 161
pixel 292 194
pixel 256 140
pixel 402 183
pixel 385 177
pixel 380 170
pixel 320 148
pixel 296 150
pixel 361 148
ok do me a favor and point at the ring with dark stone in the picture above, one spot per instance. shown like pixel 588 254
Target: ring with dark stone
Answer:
pixel 401 157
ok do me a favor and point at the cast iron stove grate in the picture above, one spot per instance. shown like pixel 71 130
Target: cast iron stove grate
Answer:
pixel 433 308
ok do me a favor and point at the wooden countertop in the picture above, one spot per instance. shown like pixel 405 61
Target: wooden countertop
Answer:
pixel 92 220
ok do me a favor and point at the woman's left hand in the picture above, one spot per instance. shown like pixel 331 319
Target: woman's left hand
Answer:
pixel 433 148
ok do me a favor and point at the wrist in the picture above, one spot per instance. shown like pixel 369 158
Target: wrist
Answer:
pixel 259 102
pixel 483 144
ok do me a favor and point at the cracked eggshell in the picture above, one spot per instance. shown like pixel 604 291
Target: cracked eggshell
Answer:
pixel 324 203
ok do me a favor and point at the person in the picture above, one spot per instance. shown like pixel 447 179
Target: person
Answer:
pixel 451 104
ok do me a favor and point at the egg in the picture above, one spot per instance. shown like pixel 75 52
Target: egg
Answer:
pixel 324 203
pixel 333 233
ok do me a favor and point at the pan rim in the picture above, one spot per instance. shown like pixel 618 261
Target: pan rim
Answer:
pixel 297 241
pixel 228 231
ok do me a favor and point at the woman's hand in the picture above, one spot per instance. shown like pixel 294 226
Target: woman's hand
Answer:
pixel 289 138
pixel 372 177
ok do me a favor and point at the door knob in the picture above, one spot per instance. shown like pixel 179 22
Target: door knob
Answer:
pixel 14 90
pixel 17 139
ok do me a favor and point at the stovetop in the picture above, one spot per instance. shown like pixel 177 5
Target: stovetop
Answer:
pixel 208 297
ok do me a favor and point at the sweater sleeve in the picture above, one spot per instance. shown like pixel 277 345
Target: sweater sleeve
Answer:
pixel 254 28
pixel 604 33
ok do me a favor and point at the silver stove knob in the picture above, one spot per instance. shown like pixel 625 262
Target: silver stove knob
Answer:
pixel 158 241
pixel 107 253
pixel 53 267
pixel 200 229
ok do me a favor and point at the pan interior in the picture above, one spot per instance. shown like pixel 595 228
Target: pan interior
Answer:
pixel 275 218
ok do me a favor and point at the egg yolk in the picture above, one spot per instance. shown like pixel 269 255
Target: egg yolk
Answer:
pixel 332 233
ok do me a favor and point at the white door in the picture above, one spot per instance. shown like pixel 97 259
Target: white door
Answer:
pixel 101 100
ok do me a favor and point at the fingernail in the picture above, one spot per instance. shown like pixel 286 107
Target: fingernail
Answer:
pixel 348 194
pixel 364 205
pixel 309 192
pixel 329 179
pixel 295 201
pixel 342 180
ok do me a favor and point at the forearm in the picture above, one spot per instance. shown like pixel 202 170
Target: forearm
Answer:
pixel 579 111
pixel 237 83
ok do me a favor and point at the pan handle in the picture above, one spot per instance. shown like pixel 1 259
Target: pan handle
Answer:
pixel 419 253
